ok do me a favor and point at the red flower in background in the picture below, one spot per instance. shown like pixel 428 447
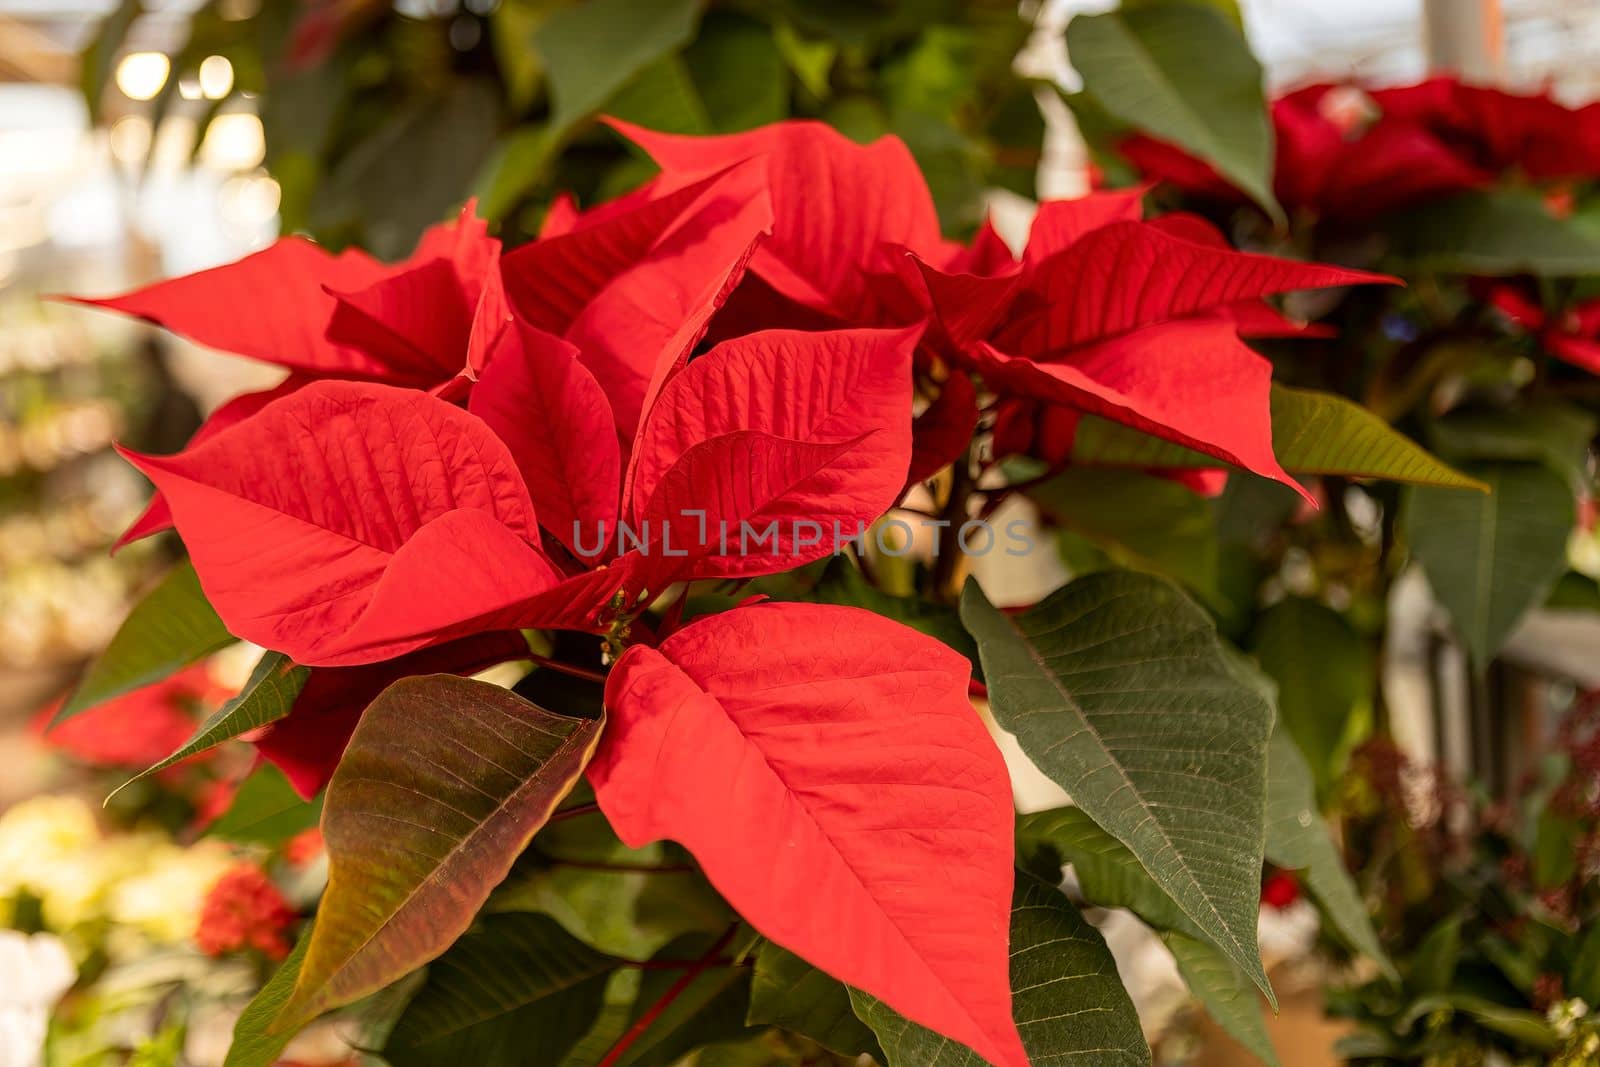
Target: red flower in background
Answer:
pixel 1572 335
pixel 244 910
pixel 138 728
pixel 1348 155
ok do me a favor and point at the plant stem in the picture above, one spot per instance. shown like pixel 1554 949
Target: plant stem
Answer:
pixel 673 992
pixel 567 668
pixel 573 812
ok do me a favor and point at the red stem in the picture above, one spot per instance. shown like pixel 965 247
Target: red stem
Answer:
pixel 573 812
pixel 673 992
pixel 567 668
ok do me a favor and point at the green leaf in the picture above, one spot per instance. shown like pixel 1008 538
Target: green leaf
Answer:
pixel 1119 689
pixel 268 696
pixel 739 69
pixel 1140 65
pixel 1111 877
pixel 1583 977
pixel 1070 1006
pixel 591 50
pixel 1312 433
pixel 1226 993
pixel 1147 523
pixel 662 97
pixel 172 627
pixel 265 811
pixel 1503 231
pixel 712 1007
pixel 790 993
pixel 444 783
pixel 1491 558
pixel 96 61
pixel 1524 1027
pixel 1433 966
pixel 413 169
pixel 257 1042
pixel 1108 874
pixel 1325 673
pixel 1557 435
pixel 513 984
pixel 1298 839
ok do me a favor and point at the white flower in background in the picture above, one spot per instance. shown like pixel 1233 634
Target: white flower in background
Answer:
pixel 34 972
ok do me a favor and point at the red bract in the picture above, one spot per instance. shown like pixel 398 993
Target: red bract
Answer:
pixel 841 210
pixel 336 316
pixel 349 522
pixel 138 728
pixel 1132 321
pixel 633 288
pixel 1347 156
pixel 1572 335
pixel 307 743
pixel 754 738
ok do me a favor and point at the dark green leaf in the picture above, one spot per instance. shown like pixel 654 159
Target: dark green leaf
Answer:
pixel 257 1042
pixel 1118 687
pixel 1312 433
pixel 268 696
pixel 1070 1006
pixel 1148 523
pixel 711 1008
pixel 1110 876
pixel 1525 1027
pixel 517 985
pixel 1491 558
pixel 662 97
pixel 1298 839
pixel 591 50
pixel 789 992
pixel 1139 64
pixel 1433 966
pixel 1583 977
pixel 1226 993
pixel 1107 873
pixel 172 627
pixel 737 66
pixel 444 783
pixel 266 811
pixel 1505 231
pixel 1325 674
pixel 1556 435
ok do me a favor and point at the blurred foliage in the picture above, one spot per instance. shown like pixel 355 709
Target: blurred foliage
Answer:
pixel 378 123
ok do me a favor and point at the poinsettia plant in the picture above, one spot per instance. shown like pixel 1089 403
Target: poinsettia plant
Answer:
pixel 550 454
pixel 700 474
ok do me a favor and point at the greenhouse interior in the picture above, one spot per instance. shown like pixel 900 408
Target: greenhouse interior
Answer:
pixel 799 533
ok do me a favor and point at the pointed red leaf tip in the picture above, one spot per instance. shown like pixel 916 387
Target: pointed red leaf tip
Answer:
pixel 838 204
pixel 345 315
pixel 634 287
pixel 349 522
pixel 848 390
pixel 157 516
pixel 820 762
